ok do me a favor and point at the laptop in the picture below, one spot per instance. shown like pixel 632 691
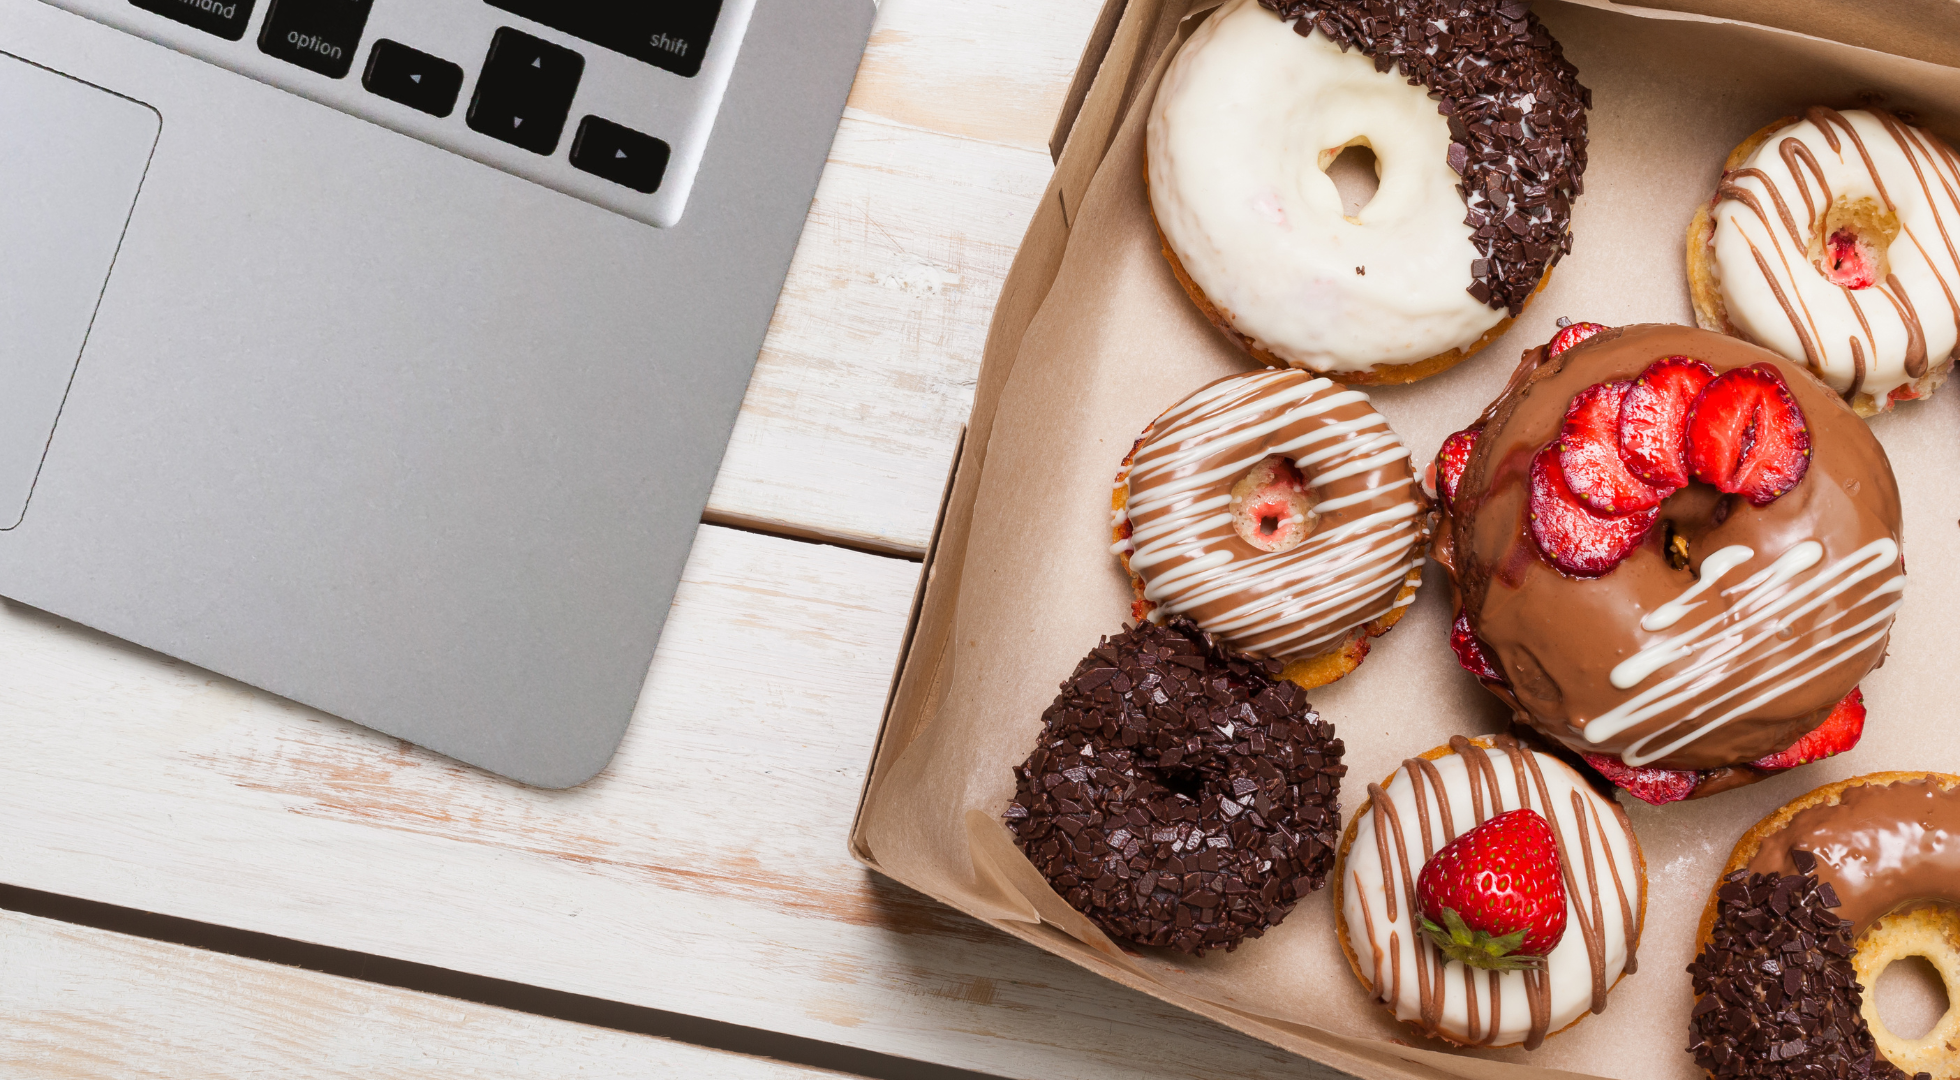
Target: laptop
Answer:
pixel 382 353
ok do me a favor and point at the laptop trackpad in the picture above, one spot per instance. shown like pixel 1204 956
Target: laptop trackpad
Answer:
pixel 72 156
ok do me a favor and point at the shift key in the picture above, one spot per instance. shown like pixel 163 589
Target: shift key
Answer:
pixel 671 34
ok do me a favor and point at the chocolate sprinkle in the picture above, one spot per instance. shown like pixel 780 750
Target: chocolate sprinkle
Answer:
pixel 1517 116
pixel 1776 995
pixel 1182 794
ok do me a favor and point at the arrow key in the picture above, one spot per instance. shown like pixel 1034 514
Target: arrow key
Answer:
pixel 412 77
pixel 619 154
pixel 525 90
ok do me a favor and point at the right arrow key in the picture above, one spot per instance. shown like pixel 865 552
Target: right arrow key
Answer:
pixel 619 154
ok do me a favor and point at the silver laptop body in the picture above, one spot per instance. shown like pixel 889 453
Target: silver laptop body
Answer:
pixel 382 353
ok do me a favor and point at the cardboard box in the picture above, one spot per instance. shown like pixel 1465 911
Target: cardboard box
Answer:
pixel 1092 338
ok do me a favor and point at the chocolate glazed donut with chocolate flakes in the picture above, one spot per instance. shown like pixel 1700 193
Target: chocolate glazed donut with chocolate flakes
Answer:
pixel 1727 630
pixel 1180 795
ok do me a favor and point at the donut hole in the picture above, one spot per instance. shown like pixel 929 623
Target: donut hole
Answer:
pixel 1356 172
pixel 1851 242
pixel 1911 997
pixel 1272 508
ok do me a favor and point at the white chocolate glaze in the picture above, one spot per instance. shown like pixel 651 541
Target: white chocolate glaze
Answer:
pixel 1248 117
pixel 1769 221
pixel 1406 823
pixel 1754 636
pixel 1369 534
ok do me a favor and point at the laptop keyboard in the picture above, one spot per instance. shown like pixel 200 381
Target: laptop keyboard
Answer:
pixel 636 84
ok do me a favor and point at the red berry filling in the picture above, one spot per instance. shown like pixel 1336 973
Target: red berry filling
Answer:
pixel 1850 261
pixel 1589 454
pixel 1472 653
pixel 1747 436
pixel 1452 459
pixel 1577 540
pixel 1654 420
pixel 1656 787
pixel 1839 732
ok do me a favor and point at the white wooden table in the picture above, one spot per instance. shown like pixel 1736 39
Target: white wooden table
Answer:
pixel 693 906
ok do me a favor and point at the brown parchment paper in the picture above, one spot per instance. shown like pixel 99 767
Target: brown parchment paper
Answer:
pixel 1093 338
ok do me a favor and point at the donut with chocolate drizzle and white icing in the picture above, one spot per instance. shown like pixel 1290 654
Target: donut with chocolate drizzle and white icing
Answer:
pixel 1833 238
pixel 1278 511
pixel 1423 806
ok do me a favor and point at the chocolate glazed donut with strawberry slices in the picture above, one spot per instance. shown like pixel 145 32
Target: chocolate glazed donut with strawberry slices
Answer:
pixel 1278 511
pixel 1674 552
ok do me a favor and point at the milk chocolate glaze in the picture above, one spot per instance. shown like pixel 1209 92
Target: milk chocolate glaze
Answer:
pixel 1798 610
pixel 1881 846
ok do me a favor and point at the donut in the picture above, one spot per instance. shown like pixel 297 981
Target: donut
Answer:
pixel 1181 795
pixel 1278 511
pixel 1833 239
pixel 1702 633
pixel 1423 806
pixel 1479 140
pixel 1854 875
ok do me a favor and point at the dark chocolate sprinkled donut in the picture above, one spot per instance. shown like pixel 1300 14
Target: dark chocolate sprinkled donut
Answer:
pixel 1516 110
pixel 1181 795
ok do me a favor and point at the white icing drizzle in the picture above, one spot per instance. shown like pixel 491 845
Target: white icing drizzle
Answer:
pixel 1430 804
pixel 1240 131
pixel 1712 569
pixel 1289 604
pixel 1750 649
pixel 1865 340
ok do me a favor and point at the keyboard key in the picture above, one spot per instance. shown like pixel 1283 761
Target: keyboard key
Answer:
pixel 225 18
pixel 525 91
pixel 319 35
pixel 672 34
pixel 619 154
pixel 412 77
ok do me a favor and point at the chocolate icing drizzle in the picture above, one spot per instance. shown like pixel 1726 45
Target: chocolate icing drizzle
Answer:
pixel 1776 995
pixel 1517 116
pixel 1181 794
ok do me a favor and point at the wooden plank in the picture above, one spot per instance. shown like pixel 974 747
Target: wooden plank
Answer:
pixel 852 418
pixel 704 872
pixel 77 1002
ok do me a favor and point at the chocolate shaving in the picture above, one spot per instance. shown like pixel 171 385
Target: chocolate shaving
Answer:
pixel 1182 794
pixel 1776 995
pixel 1517 117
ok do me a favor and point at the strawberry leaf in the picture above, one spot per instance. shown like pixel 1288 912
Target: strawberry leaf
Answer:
pixel 1477 948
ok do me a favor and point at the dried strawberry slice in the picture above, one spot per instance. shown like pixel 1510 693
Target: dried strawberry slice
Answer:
pixel 1576 540
pixel 1656 787
pixel 1472 653
pixel 1571 335
pixel 1589 454
pixel 1839 732
pixel 1654 419
pixel 1747 435
pixel 1452 459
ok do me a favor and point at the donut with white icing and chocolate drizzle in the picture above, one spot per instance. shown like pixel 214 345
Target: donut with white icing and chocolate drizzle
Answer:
pixel 1479 141
pixel 1834 239
pixel 1728 628
pixel 1869 869
pixel 1278 511
pixel 1424 805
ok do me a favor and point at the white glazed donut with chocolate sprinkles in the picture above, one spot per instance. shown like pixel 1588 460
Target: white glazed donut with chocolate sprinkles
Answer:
pixel 1479 141
pixel 1430 801
pixel 1278 511
pixel 1834 240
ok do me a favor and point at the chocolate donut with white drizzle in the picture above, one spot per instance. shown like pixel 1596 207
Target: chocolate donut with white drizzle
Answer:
pixel 1423 806
pixel 1278 511
pixel 1834 239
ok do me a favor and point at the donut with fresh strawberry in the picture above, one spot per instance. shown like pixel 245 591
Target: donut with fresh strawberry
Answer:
pixel 1488 895
pixel 1278 511
pixel 1674 552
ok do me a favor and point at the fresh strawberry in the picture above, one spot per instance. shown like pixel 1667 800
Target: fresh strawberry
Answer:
pixel 1850 261
pixel 1578 541
pixel 1452 459
pixel 1654 419
pixel 1747 435
pixel 1839 732
pixel 1571 335
pixel 1589 454
pixel 1657 787
pixel 1471 651
pixel 1494 897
